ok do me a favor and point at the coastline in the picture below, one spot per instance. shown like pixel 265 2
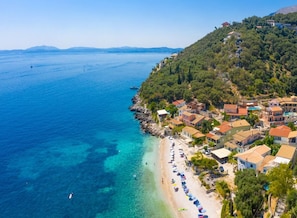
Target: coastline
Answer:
pixel 177 201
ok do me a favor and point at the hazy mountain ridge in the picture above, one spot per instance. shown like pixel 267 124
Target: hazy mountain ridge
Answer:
pixel 125 49
pixel 287 10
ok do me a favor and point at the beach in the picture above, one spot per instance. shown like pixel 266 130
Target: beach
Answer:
pixel 178 201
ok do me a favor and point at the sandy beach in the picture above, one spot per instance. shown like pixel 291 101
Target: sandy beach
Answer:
pixel 181 206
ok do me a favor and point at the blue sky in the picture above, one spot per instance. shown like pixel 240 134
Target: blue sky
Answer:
pixel 114 23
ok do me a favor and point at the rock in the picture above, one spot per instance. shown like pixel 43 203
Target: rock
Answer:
pixel 147 124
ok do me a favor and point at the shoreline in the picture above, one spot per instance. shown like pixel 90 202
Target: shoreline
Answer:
pixel 179 203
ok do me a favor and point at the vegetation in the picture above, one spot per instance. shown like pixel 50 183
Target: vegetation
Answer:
pixel 251 58
pixel 250 195
pixel 204 163
pixel 268 140
pixel 281 180
pixel 223 189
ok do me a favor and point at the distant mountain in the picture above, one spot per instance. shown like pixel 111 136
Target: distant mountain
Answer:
pixel 127 49
pixel 287 10
pixel 116 49
pixel 42 48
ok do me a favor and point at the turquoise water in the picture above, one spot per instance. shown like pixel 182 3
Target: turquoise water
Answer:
pixel 66 128
pixel 254 108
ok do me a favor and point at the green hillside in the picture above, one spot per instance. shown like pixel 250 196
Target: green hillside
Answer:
pixel 254 58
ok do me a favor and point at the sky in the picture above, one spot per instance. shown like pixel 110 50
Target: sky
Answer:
pixel 116 23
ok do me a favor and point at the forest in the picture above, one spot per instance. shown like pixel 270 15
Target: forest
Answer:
pixel 253 59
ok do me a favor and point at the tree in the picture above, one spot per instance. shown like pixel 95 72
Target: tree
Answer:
pixel 292 202
pixel 292 126
pixel 171 109
pixel 280 180
pixel 250 194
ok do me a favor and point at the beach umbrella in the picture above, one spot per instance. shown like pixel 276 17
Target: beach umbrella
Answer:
pixel 200 207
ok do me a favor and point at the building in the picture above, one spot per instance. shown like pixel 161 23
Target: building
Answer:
pixel 283 135
pixel 162 114
pixel 221 154
pixel 234 111
pixel 191 133
pixel 225 24
pixel 242 140
pixel 223 133
pixel 285 155
pixel 288 104
pixel 179 103
pixel 191 119
pixel 252 158
pixel 274 116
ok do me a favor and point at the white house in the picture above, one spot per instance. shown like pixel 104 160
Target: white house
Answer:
pixel 252 158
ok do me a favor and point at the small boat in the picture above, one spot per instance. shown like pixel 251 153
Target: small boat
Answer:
pixel 70 195
pixel 134 88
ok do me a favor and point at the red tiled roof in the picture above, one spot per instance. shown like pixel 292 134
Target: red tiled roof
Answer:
pixel 224 127
pixel 276 108
pixel 280 131
pixel 230 106
pixel 178 102
pixel 242 111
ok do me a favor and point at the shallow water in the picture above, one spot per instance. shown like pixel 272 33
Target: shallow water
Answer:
pixel 65 127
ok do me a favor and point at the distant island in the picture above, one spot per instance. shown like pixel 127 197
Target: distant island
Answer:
pixel 124 49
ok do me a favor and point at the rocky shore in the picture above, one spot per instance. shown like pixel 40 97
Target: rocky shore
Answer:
pixel 141 113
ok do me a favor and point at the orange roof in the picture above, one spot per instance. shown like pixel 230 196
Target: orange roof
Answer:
pixel 198 135
pixel 230 106
pixel 255 154
pixel 276 108
pixel 224 127
pixel 192 131
pixel 178 102
pixel 176 122
pixel 280 131
pixel 286 151
pixel 242 111
pixel 240 123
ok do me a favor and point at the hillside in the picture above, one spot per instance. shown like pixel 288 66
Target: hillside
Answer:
pixel 251 59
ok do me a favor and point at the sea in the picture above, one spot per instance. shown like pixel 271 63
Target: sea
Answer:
pixel 70 147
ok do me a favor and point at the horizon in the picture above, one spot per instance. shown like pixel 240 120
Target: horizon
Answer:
pixel 114 24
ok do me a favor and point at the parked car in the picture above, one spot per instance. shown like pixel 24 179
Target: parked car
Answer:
pixel 221 169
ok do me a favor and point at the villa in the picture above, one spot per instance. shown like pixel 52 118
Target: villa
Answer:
pixel 252 158
pixel 283 135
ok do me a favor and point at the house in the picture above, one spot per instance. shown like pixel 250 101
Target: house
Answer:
pixel 162 114
pixel 195 107
pixel 182 109
pixel 283 135
pixel 288 104
pixel 179 103
pixel 234 111
pixel 174 123
pixel 225 24
pixel 191 133
pixel 242 140
pixel 286 154
pixel 252 158
pixel 274 115
pixel 223 133
pixel 191 119
pixel 221 154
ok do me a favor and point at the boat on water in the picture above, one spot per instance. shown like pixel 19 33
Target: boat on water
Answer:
pixel 134 88
pixel 70 195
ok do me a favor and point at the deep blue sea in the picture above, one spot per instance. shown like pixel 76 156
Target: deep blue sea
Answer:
pixel 65 128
